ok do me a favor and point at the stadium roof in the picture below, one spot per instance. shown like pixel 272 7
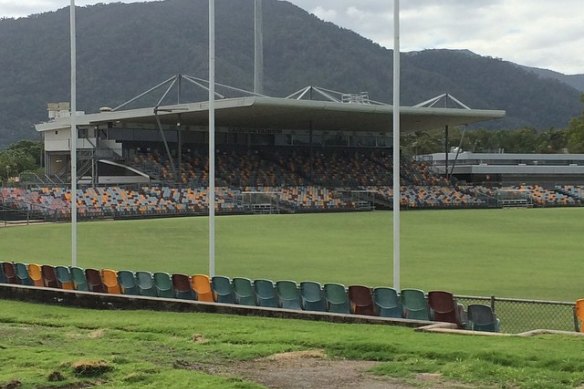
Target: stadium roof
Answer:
pixel 261 112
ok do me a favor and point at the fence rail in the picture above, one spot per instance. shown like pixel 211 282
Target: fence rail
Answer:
pixel 519 315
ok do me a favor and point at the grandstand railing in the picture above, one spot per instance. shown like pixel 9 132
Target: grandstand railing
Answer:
pixel 518 315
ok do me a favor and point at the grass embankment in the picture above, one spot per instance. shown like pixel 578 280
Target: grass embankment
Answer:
pixel 162 349
pixel 528 253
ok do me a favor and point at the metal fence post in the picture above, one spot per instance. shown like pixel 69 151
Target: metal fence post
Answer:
pixel 493 304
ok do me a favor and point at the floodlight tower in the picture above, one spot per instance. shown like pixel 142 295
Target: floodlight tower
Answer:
pixel 258 79
pixel 73 138
pixel 396 145
pixel 211 190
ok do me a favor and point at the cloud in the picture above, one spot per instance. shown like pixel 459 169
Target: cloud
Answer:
pixel 324 13
pixel 543 34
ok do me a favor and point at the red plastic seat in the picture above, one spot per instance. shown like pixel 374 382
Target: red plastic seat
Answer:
pixel 361 300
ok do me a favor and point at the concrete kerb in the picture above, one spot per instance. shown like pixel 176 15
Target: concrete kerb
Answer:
pixel 105 301
pixel 450 328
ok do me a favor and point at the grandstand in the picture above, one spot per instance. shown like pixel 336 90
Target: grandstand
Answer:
pixel 315 150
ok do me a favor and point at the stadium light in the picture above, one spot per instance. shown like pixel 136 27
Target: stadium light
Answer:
pixel 396 145
pixel 73 137
pixel 211 191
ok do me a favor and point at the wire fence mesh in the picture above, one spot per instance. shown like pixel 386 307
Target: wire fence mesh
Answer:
pixel 525 315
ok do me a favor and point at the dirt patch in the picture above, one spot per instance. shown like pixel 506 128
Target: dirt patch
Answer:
pixel 312 369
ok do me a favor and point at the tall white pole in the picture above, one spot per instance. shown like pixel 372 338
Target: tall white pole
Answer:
pixel 396 145
pixel 73 136
pixel 258 79
pixel 211 191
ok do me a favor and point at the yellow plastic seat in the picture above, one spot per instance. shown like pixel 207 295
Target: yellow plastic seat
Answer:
pixel 579 312
pixel 202 286
pixel 35 274
pixel 110 280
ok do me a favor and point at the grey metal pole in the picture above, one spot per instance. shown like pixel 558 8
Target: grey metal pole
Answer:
pixel 73 136
pixel 211 192
pixel 258 79
pixel 446 151
pixel 396 146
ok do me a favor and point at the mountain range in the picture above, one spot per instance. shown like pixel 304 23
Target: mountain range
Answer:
pixel 124 49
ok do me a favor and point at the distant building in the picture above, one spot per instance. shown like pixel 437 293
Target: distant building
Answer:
pixel 508 168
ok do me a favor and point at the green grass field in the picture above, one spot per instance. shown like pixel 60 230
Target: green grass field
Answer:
pixel 526 253
pixel 140 349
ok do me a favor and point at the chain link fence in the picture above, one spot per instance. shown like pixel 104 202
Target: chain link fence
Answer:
pixel 518 315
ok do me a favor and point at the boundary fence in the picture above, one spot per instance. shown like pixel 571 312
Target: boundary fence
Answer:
pixel 518 315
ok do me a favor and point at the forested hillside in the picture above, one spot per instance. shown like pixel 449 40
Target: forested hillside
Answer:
pixel 124 49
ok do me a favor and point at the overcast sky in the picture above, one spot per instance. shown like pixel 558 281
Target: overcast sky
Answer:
pixel 546 34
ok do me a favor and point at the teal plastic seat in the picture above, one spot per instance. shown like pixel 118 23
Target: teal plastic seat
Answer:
pixel 482 318
pixel 163 284
pixel 266 293
pixel 64 277
pixel 127 281
pixel 288 294
pixel 312 296
pixel 244 292
pixel 387 302
pixel 79 279
pixel 222 289
pixel 336 298
pixel 146 283
pixel 414 304
pixel 22 274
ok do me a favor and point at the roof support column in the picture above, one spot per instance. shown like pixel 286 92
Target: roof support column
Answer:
pixel 446 151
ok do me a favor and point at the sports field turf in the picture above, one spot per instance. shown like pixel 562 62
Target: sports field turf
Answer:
pixel 43 347
pixel 527 253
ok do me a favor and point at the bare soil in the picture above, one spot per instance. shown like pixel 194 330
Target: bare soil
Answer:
pixel 312 369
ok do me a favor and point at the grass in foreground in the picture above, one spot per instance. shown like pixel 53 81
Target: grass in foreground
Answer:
pixel 151 349
pixel 529 253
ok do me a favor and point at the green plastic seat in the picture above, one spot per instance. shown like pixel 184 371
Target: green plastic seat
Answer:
pixel 312 296
pixel 336 298
pixel 387 302
pixel 288 294
pixel 244 292
pixel 414 304
pixel 146 283
pixel 181 284
pixel 222 289
pixel 163 284
pixel 79 279
pixel 266 293
pixel 127 280
pixel 22 274
pixel 482 318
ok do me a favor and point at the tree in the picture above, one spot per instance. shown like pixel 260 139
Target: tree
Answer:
pixel 576 133
pixel 20 157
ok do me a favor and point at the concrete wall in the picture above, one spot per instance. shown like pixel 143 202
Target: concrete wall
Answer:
pixel 122 302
